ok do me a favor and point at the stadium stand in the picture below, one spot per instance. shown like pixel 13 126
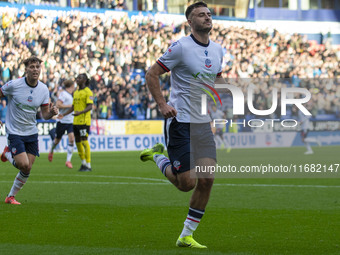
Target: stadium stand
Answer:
pixel 116 52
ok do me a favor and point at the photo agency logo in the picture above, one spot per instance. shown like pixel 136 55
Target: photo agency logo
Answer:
pixel 289 96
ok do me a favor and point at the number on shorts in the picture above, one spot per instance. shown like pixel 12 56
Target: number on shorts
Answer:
pixel 82 132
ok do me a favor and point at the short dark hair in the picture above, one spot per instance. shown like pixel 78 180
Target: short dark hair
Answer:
pixel 194 6
pixel 32 59
pixel 68 83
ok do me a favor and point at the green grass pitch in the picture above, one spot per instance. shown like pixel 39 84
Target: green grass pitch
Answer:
pixel 127 207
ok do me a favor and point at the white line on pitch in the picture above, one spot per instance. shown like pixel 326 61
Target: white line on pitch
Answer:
pixel 163 183
pixel 275 185
pixel 95 183
pixel 99 176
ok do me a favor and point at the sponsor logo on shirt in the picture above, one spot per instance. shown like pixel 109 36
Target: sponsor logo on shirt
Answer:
pixel 27 107
pixel 204 75
pixel 195 75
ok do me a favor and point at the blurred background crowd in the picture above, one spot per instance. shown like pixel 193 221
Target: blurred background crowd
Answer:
pixel 116 53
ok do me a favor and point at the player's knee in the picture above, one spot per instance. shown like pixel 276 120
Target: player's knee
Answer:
pixel 185 188
pixel 187 185
pixel 25 167
pixel 205 183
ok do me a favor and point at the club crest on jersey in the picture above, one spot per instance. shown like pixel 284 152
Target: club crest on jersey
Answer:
pixel 14 150
pixel 208 63
pixel 30 99
pixel 177 165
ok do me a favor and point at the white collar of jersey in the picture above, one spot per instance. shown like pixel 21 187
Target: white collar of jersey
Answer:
pixel 198 42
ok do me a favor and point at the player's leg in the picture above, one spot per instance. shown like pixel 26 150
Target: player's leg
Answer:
pixel 198 202
pixel 80 147
pixel 205 180
pixel 182 180
pixel 180 176
pixel 22 163
pixel 313 140
pixel 16 145
pixel 178 168
pixel 24 150
pixel 70 146
pixel 219 141
pixel 6 155
pixel 177 136
pixel 84 135
pixel 55 142
pixel 155 154
pixel 52 133
pixel 204 152
pixel 304 138
pixel 58 134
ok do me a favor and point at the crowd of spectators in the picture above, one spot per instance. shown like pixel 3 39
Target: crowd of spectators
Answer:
pixel 116 53
pixel 99 4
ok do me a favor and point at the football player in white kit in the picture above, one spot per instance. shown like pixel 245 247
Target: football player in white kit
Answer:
pixel 194 62
pixel 25 96
pixel 64 103
pixel 304 124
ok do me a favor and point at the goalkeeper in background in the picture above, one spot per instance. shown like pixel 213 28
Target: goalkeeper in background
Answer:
pixel 82 106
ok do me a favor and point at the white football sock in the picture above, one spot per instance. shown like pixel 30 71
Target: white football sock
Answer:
pixel 19 181
pixel 309 148
pixel 162 162
pixel 191 222
pixel 69 152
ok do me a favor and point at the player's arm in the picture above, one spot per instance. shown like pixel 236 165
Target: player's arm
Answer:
pixel 48 111
pixel 152 81
pixel 6 89
pixel 221 80
pixel 87 108
pixel 60 116
pixel 61 105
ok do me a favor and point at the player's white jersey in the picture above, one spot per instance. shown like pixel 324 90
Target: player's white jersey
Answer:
pixel 304 121
pixel 67 99
pixel 23 104
pixel 194 67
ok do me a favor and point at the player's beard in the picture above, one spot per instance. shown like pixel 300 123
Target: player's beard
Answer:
pixel 203 29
